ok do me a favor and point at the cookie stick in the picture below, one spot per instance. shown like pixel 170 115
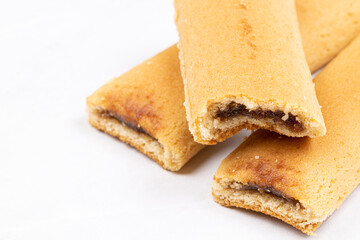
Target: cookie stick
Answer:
pixel 243 65
pixel 302 180
pixel 144 108
pixel 326 28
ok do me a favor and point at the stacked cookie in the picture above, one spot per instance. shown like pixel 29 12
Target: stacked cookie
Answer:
pixel 247 64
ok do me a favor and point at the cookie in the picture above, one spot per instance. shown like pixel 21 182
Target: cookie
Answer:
pixel 144 108
pixel 326 28
pixel 302 180
pixel 243 66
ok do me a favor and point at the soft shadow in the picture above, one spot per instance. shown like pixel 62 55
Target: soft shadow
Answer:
pixel 227 146
pixel 194 164
pixel 199 159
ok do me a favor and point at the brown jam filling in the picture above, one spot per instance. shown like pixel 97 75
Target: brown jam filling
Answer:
pixel 237 109
pixel 269 190
pixel 133 126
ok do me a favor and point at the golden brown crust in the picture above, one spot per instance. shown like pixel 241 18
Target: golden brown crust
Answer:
pixel 150 96
pixel 244 52
pixel 327 26
pixel 318 173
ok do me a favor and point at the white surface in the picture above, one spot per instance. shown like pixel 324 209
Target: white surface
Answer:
pixel 62 179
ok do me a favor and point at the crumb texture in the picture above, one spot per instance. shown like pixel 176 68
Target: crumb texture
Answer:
pixel 230 193
pixel 245 70
pixel 148 98
pixel 318 173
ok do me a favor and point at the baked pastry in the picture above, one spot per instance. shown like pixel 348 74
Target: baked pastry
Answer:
pixel 243 65
pixel 302 180
pixel 326 28
pixel 144 108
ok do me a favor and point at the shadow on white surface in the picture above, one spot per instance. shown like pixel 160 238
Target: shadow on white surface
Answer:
pixel 210 152
pixel 62 179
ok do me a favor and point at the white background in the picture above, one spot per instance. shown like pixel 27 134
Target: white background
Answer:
pixel 61 178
